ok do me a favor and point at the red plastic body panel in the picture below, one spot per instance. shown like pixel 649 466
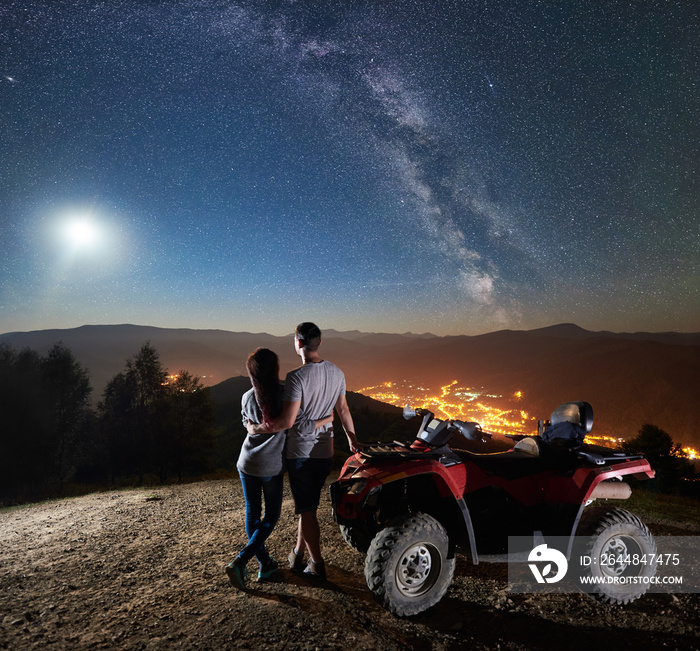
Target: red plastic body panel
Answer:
pixel 546 487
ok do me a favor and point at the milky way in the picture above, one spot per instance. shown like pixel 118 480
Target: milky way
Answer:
pixel 453 167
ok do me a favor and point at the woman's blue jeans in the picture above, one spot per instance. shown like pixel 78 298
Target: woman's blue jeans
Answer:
pixel 259 527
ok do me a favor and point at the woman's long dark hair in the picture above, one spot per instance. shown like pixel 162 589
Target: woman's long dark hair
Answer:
pixel 263 369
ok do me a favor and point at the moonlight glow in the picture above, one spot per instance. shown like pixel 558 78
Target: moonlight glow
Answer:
pixel 84 236
pixel 82 233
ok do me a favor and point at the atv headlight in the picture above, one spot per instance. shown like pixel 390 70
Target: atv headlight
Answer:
pixel 357 487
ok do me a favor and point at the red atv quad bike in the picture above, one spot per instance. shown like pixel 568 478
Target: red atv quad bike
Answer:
pixel 411 506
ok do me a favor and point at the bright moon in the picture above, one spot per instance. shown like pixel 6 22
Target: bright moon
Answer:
pixel 82 232
pixel 81 237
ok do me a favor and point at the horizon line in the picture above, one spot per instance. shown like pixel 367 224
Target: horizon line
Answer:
pixel 356 331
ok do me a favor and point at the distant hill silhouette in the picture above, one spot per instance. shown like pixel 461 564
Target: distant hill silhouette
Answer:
pixel 629 378
pixel 572 331
pixel 230 392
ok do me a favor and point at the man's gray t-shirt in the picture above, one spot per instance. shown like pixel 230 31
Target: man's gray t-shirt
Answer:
pixel 318 386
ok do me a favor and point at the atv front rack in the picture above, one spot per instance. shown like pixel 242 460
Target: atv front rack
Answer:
pixel 397 449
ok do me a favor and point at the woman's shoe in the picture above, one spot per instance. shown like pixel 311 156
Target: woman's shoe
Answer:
pixel 316 571
pixel 267 570
pixel 296 561
pixel 237 573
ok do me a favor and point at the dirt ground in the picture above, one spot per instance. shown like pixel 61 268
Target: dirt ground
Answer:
pixel 143 569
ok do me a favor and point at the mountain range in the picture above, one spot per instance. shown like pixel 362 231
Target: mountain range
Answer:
pixel 629 378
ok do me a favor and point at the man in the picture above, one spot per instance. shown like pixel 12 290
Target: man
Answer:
pixel 314 389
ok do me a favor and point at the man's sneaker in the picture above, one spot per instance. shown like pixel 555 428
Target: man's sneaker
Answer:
pixel 316 571
pixel 296 561
pixel 267 570
pixel 237 573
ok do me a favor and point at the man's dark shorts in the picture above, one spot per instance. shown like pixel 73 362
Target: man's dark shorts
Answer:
pixel 306 479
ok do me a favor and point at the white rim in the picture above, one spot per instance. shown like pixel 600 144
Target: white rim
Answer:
pixel 418 569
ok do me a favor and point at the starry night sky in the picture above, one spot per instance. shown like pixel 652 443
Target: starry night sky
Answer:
pixel 454 167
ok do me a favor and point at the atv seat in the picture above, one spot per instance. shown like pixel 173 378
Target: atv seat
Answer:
pixel 529 455
pixel 510 464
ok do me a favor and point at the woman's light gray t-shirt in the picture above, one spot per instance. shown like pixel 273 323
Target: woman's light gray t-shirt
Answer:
pixel 261 454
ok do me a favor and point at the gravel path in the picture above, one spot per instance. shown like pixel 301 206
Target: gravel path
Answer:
pixel 143 569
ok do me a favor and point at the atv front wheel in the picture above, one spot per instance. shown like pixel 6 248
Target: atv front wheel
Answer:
pixel 407 566
pixel 618 549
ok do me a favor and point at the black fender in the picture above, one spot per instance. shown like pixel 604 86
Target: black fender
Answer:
pixel 464 509
pixel 459 501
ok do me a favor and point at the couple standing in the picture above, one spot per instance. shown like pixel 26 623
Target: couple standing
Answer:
pixel 304 409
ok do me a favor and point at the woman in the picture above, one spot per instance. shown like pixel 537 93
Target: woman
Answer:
pixel 260 464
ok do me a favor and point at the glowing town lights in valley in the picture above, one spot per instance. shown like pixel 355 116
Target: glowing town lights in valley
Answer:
pixel 604 440
pixel 454 402
pixel 615 442
pixel 465 403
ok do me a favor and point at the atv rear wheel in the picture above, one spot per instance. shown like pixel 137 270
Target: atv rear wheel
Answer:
pixel 356 537
pixel 618 548
pixel 407 566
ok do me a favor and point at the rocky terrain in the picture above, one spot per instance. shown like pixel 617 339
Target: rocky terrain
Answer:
pixel 143 569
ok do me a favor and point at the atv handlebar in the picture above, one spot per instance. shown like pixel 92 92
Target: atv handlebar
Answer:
pixel 471 431
pixel 410 412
